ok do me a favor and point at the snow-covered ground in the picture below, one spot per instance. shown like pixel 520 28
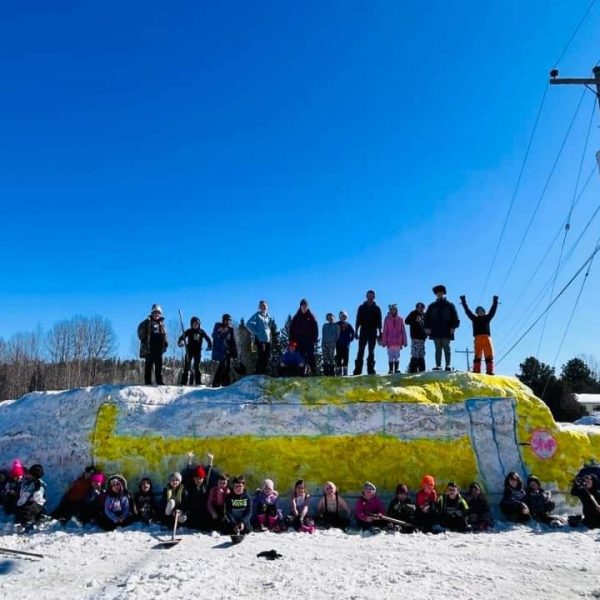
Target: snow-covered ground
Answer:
pixel 512 562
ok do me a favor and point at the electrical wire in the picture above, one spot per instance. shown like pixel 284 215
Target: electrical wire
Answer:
pixel 587 12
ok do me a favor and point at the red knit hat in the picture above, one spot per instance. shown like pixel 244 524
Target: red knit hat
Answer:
pixel 200 472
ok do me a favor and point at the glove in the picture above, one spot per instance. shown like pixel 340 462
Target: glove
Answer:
pixel 495 298
pixel 463 298
pixel 181 344
pixel 170 507
pixel 182 518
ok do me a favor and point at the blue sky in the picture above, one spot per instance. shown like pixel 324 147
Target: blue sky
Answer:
pixel 207 155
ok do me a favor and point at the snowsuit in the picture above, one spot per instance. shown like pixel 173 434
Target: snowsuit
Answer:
pixel 365 508
pixel 197 504
pixel 223 350
pixel 441 319
pixel 482 336
pixel 238 509
pixel 368 326
pixel 452 512
pixel 416 320
pixel 329 337
pixel 92 508
pixel 73 499
pixel 304 330
pixel 342 347
pixel 152 334
pixel 262 327
pixel 591 514
pixel 540 505
pixel 394 339
pixel 30 504
pixel 192 339
pixel 267 513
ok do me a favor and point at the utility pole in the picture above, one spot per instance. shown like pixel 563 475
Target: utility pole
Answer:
pixel 468 353
pixel 587 81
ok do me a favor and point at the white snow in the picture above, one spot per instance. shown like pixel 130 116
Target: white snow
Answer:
pixel 513 562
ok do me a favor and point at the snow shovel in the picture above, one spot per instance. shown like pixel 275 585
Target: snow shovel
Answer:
pixel 173 541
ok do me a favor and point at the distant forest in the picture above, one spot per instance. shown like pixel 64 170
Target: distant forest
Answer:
pixel 82 352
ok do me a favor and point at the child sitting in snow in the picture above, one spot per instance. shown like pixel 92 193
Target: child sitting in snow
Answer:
pixel 513 505
pixel 12 487
pixel 238 509
pixel 368 508
pixel 145 502
pixel 332 510
pixel 267 515
pixel 452 509
pixel 299 518
pixel 402 508
pixel 215 503
pixel 117 504
pixel 30 504
pixel 425 504
pixel 479 515
pixel 174 501
pixel 539 503
pixel 93 505
pixel 73 499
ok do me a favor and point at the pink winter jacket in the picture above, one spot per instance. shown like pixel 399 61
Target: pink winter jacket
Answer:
pixel 394 332
pixel 365 508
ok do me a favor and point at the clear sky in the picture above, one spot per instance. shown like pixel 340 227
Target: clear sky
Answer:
pixel 205 155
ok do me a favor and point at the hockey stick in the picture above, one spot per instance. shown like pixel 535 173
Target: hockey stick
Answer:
pixel 390 519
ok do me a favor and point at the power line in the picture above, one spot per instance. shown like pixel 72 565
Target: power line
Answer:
pixel 587 12
pixel 564 289
pixel 545 188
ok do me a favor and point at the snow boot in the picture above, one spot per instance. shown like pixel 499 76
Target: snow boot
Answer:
pixel 391 369
pixel 413 366
pixel 370 367
pixel 477 365
pixel 489 366
pixel 396 366
pixel 421 365
pixel 358 367
pixel 344 371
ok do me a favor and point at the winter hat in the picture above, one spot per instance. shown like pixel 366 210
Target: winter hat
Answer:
pixel 200 472
pixel 176 475
pixel 427 480
pixel 226 317
pixel 97 478
pixel 329 315
pixel 535 479
pixel 36 471
pixel 194 320
pixel 367 485
pixel 156 308
pixel 304 302
pixel 480 308
pixel 293 345
pixel 268 483
pixel 343 313
pixel 401 488
pixel 16 469
pixel 474 486
pixel 419 304
pixel 439 288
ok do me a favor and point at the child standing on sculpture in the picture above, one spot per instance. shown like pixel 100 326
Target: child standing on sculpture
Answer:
pixel 441 320
pixel 393 337
pixel 481 334
pixel 329 337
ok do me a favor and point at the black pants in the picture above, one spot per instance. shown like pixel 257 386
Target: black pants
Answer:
pixel 341 355
pixel 30 512
pixel 191 357
pixel 264 353
pixel 370 338
pixel 223 374
pixel 153 360
pixel 307 351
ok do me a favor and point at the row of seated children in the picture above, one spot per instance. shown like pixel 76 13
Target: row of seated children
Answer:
pixel 202 499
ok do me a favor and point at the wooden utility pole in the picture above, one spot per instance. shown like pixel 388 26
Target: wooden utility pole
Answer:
pixel 468 353
pixel 588 82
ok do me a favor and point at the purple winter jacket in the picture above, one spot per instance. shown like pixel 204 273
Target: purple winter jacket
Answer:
pixel 394 332
pixel 365 508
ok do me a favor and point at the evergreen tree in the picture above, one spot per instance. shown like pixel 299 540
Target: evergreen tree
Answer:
pixel 577 377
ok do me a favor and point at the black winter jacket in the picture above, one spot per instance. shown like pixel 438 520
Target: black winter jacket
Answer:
pixel 481 324
pixel 415 320
pixel 368 318
pixel 441 317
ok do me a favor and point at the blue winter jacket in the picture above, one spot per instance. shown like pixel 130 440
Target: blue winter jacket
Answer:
pixel 261 326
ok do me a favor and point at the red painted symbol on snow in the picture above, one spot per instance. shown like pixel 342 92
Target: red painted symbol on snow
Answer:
pixel 543 444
